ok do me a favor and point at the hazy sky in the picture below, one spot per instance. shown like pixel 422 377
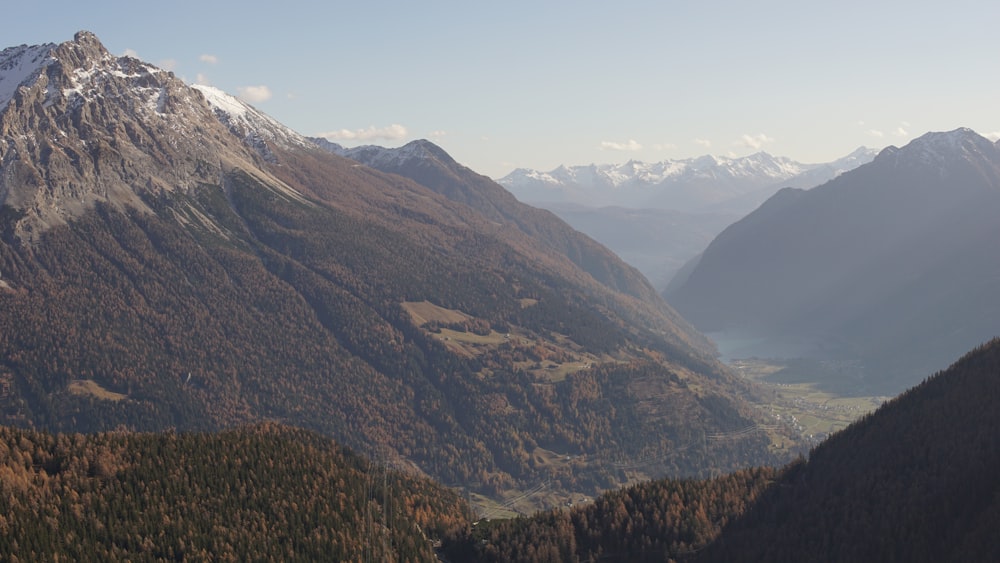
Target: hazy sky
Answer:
pixel 537 84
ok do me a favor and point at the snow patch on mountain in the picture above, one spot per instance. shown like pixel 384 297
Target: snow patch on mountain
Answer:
pixel 634 172
pixel 253 126
pixel 693 184
pixel 21 65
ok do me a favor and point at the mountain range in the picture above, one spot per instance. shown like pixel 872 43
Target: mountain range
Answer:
pixel 658 216
pixel 171 257
pixel 718 184
pixel 893 265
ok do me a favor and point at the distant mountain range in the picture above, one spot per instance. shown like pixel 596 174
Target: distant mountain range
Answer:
pixel 708 183
pixel 171 257
pixel 894 264
pixel 659 216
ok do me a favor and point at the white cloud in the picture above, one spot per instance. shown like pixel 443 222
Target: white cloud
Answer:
pixel 201 78
pixel 754 141
pixel 210 59
pixel 664 146
pixel 392 132
pixel 994 136
pixel 630 145
pixel 131 53
pixel 167 64
pixel 901 132
pixel 254 94
pixel 437 134
pixel 875 133
pixel 703 142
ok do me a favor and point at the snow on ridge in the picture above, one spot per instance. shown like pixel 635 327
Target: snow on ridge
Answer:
pixel 231 105
pixel 247 121
pixel 20 64
pixel 638 173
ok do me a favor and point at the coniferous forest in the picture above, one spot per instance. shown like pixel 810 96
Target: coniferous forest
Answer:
pixel 914 481
pixel 257 493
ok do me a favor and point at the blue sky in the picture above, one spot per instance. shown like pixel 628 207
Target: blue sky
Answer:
pixel 512 84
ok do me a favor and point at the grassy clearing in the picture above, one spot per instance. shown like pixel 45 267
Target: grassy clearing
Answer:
pixel 469 344
pixel 94 389
pixel 423 312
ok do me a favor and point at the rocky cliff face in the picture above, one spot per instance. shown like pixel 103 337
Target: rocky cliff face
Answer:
pixel 68 141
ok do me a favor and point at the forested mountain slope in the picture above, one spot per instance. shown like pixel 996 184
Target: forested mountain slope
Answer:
pixel 914 481
pixel 166 264
pixel 264 492
pixel 430 166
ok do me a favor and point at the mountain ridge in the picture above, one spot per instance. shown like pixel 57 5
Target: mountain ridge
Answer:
pixel 699 184
pixel 430 166
pixel 831 267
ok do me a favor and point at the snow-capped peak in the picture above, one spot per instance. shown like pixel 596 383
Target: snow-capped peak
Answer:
pixel 636 173
pixel 20 65
pixel 692 184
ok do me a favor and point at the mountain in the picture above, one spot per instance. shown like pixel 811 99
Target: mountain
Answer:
pixel 893 264
pixel 693 185
pixel 913 481
pixel 170 257
pixel 430 166
pixel 264 492
pixel 659 216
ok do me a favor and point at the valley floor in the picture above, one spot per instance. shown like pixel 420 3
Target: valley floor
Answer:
pixel 798 396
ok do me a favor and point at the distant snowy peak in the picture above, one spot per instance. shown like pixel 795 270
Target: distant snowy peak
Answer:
pixel 253 126
pixel 861 155
pixel 705 183
pixel 637 173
